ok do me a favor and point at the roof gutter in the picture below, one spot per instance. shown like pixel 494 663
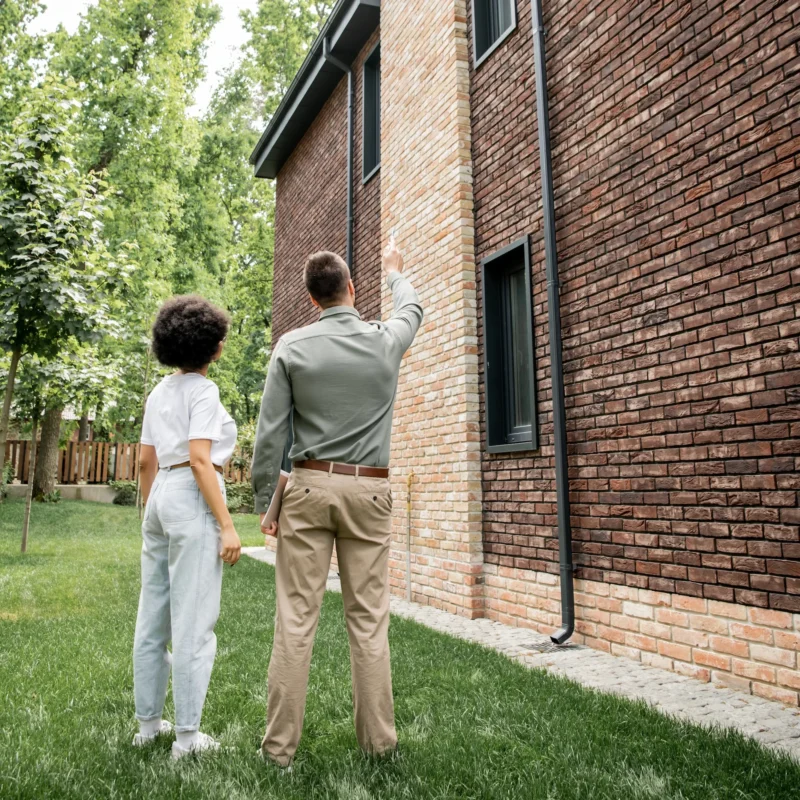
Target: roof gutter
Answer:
pixel 346 31
pixel 351 93
pixel 567 568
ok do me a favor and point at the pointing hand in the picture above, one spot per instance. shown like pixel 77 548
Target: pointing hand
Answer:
pixel 392 259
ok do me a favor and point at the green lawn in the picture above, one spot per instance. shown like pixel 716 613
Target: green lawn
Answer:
pixel 471 723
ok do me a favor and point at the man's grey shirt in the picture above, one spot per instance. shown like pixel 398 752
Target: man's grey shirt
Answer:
pixel 336 381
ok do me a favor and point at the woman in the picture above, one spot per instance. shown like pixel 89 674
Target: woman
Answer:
pixel 187 436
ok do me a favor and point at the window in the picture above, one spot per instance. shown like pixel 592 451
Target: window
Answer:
pixel 508 334
pixel 492 21
pixel 372 113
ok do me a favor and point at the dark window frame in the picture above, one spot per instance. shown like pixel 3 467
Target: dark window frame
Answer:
pixel 368 125
pixel 498 381
pixel 479 59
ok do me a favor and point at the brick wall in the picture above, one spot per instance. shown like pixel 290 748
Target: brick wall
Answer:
pixel 675 131
pixel 367 210
pixel 426 184
pixel 311 211
pixel 743 647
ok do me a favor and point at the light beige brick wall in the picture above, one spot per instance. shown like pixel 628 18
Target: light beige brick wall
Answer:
pixel 744 647
pixel 426 187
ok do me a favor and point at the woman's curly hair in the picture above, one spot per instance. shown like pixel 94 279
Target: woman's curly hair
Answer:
pixel 187 332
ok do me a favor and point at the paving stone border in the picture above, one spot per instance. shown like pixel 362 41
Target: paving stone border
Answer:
pixel 770 723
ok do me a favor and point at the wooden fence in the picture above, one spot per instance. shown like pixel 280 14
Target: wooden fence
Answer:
pixel 92 462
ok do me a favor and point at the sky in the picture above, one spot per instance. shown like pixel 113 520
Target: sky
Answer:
pixel 226 38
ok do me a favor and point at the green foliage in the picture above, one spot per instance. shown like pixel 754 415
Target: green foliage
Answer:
pixel 124 492
pixel 56 275
pixel 281 32
pixel 178 188
pixel 18 51
pixel 239 497
pixel 224 246
pixel 136 64
pixel 225 243
pixel 77 378
pixel 6 477
pixel 50 497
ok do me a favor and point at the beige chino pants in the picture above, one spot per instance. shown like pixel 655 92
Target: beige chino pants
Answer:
pixel 317 509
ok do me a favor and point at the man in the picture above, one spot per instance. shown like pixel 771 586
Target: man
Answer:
pixel 336 380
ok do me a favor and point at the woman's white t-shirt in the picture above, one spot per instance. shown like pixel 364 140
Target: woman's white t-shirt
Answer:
pixel 184 407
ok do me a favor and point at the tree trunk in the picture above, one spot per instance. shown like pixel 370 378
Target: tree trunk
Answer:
pixel 29 498
pixel 44 479
pixel 83 428
pixel 9 393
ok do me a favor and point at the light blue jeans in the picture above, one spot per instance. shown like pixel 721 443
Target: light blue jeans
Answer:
pixel 179 602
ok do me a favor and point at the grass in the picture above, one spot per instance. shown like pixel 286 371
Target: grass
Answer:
pixel 471 723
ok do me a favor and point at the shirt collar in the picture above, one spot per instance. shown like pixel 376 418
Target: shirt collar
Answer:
pixel 336 310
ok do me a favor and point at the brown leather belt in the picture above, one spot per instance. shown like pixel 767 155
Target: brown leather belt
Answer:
pixel 217 467
pixel 344 469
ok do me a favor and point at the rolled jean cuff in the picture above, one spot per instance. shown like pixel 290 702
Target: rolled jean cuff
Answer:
pixel 142 718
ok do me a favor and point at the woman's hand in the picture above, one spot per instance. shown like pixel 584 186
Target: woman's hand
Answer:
pixel 231 545
pixel 208 481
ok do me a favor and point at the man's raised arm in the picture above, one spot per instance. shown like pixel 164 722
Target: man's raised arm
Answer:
pixel 272 429
pixel 407 311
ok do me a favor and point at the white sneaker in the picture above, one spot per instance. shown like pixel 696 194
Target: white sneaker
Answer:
pixel 202 744
pixel 141 739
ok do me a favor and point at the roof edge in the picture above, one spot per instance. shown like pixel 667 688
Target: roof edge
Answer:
pixel 350 22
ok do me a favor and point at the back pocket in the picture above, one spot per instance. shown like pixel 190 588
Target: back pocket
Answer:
pixel 180 504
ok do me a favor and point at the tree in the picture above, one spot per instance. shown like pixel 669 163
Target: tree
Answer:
pixel 56 275
pixel 18 51
pixel 78 378
pixel 226 237
pixel 44 383
pixel 281 32
pixel 177 186
pixel 136 64
pixel 224 243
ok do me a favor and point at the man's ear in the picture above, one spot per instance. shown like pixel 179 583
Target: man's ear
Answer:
pixel 314 302
pixel 351 289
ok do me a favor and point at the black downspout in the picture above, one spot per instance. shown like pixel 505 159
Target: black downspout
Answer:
pixel 554 326
pixel 351 92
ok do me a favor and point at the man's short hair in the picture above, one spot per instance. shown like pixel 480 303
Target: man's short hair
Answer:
pixel 326 276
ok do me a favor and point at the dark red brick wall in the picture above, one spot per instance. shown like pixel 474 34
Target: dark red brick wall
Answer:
pixel 367 211
pixel 311 212
pixel 675 131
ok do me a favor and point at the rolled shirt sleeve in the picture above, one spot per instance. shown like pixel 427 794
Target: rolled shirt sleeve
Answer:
pixel 406 310
pixel 272 429
pixel 204 413
pixel 147 426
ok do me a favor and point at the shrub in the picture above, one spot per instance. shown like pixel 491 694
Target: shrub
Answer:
pixel 6 478
pixel 240 497
pixel 125 493
pixel 50 497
